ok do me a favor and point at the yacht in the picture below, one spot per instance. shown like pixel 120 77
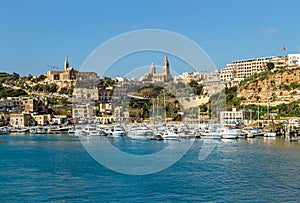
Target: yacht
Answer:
pixel 211 135
pixel 169 135
pixel 269 134
pixel 140 132
pixel 118 131
pixel 211 132
pixel 232 133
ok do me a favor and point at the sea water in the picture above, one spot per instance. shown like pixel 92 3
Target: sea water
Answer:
pixel 58 169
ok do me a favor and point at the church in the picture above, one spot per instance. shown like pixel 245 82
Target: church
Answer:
pixel 165 76
pixel 68 73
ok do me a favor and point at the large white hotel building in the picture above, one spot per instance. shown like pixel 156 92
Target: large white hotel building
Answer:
pixel 238 70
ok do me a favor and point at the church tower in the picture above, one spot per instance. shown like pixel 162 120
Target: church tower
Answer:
pixel 166 69
pixel 152 69
pixel 66 64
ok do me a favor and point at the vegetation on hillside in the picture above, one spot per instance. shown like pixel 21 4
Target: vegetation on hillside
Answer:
pixel 9 92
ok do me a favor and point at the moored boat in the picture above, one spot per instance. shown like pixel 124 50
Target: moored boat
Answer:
pixel 4 131
pixel 157 137
pixel 269 134
pixel 169 135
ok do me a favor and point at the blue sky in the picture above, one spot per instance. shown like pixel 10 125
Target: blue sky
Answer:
pixel 37 34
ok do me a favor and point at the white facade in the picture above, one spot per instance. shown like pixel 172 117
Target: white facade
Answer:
pixel 294 59
pixel 227 73
pixel 231 117
pixel 245 68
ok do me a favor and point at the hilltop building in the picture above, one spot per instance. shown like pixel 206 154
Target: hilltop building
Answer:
pixel 240 69
pixel 165 76
pixel 68 73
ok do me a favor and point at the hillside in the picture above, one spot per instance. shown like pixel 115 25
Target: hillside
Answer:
pixel 281 86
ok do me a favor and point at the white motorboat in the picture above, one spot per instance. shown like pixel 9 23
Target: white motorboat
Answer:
pixel 211 135
pixel 228 133
pixel 142 132
pixel 79 131
pixel 71 131
pixel 118 131
pixel 169 135
pixel 270 134
pixel 107 131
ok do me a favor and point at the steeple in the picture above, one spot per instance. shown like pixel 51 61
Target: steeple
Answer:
pixel 166 62
pixel 66 64
pixel 166 68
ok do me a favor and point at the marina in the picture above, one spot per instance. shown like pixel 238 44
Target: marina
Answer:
pixel 56 167
pixel 146 131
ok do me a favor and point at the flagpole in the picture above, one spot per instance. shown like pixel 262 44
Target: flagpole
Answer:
pixel 284 49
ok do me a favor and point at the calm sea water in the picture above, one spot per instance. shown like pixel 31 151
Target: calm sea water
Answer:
pixel 58 169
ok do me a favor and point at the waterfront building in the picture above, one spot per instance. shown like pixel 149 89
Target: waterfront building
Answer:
pixel 20 120
pixel 41 119
pixel 58 119
pixel 231 117
pixel 153 76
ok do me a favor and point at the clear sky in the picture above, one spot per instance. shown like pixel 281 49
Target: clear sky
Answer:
pixel 37 34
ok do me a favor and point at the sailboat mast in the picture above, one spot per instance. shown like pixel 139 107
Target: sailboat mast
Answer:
pixel 165 111
pixel 258 117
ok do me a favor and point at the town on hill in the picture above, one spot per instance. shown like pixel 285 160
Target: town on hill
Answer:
pixel 256 92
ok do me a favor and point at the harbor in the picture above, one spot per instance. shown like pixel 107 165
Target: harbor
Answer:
pixel 149 101
pixel 164 131
pixel 56 167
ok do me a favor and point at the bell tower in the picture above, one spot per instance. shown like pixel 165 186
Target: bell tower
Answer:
pixel 166 69
pixel 66 64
